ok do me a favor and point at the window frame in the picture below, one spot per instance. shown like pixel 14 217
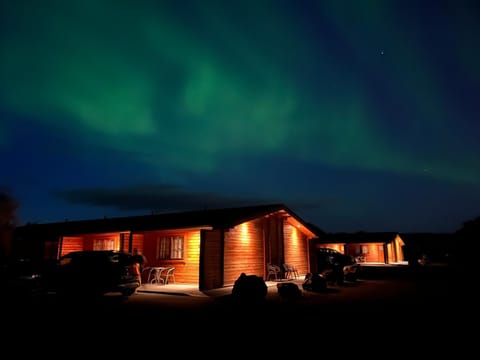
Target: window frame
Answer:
pixel 170 247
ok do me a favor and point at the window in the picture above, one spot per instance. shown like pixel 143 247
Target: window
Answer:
pixel 170 247
pixel 103 244
pixel 364 249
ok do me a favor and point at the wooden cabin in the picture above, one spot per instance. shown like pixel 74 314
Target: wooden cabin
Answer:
pixel 210 248
pixel 366 247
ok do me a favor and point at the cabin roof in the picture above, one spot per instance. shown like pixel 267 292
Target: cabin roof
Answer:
pixel 357 237
pixel 218 218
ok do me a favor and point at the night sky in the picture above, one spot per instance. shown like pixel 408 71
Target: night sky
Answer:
pixel 357 115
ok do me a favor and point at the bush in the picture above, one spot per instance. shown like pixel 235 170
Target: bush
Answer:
pixel 249 288
pixel 289 290
pixel 314 282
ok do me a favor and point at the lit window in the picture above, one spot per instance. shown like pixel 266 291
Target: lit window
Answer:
pixel 170 247
pixel 103 244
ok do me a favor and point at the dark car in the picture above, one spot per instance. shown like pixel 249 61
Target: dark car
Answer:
pixel 95 272
pixel 336 267
pixel 22 278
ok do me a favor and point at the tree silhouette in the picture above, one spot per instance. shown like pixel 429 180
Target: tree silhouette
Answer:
pixel 8 222
pixel 470 228
pixel 465 240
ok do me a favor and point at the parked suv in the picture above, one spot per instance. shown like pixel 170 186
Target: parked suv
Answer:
pixel 335 266
pixel 95 273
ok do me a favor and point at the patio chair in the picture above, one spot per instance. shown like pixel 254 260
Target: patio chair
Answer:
pixel 273 271
pixel 290 271
pixel 168 275
pixel 156 276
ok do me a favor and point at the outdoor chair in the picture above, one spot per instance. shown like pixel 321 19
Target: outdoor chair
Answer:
pixel 273 271
pixel 149 275
pixel 290 271
pixel 155 275
pixel 168 275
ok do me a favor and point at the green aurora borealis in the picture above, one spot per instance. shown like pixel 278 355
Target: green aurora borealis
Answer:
pixel 182 88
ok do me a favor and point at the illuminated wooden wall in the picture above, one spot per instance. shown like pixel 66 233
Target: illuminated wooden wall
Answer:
pixel 243 252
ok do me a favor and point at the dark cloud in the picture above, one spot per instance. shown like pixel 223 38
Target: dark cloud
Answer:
pixel 156 198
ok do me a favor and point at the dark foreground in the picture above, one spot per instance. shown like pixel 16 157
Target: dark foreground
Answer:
pixel 400 309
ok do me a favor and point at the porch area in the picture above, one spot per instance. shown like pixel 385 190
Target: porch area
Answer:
pixel 192 289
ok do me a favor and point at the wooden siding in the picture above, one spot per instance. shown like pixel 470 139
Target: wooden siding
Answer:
pixel 395 250
pixel 243 252
pixel 373 252
pixel 70 244
pixel 296 249
pixel 120 242
pixel 189 271
pixel 124 241
pixel 391 256
pixel 137 242
pixel 272 232
pixel 211 260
